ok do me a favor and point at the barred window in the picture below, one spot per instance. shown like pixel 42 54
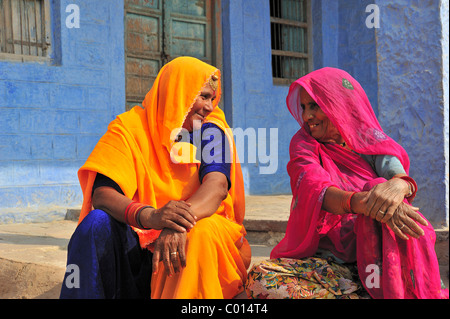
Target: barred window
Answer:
pixel 24 29
pixel 291 39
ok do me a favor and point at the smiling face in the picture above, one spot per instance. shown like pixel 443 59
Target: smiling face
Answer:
pixel 319 124
pixel 202 107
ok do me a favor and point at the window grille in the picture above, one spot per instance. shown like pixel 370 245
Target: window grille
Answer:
pixel 290 38
pixel 24 29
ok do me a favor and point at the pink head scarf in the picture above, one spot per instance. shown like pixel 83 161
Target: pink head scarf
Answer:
pixel 314 166
pixel 346 104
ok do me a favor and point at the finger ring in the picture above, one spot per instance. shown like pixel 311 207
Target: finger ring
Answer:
pixel 401 226
pixel 381 212
pixel 174 253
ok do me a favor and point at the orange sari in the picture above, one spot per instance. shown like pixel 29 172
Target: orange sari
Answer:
pixel 140 154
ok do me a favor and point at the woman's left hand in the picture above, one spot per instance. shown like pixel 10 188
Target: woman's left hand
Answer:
pixel 170 248
pixel 383 199
pixel 406 221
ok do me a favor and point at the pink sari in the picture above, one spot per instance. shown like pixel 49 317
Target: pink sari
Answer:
pixel 388 267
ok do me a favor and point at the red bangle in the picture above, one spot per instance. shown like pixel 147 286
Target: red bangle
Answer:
pixel 127 210
pixel 349 203
pixel 132 213
pixel 412 183
pixel 346 202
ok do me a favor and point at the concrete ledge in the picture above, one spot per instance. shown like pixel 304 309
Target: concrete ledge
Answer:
pixel 32 215
pixel 442 247
pixel 442 234
pixel 264 225
pixel 72 214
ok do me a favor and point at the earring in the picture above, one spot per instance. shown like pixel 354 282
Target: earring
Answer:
pixel 213 82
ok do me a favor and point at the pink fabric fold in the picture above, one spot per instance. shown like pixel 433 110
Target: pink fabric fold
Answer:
pixel 408 269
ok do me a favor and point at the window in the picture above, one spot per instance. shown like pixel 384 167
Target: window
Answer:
pixel 291 40
pixel 24 29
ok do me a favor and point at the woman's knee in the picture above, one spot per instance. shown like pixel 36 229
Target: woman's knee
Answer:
pixel 204 229
pixel 97 220
pixel 97 224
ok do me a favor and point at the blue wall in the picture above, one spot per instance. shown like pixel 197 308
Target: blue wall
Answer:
pixel 342 40
pixel 54 113
pixel 413 94
pixel 445 107
pixel 251 99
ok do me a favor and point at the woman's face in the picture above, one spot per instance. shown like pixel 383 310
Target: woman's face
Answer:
pixel 319 124
pixel 202 107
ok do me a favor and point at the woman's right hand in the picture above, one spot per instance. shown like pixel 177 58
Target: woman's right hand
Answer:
pixel 404 215
pixel 405 221
pixel 170 248
pixel 176 215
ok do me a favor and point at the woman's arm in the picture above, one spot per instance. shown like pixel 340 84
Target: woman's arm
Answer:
pixel 384 198
pixel 110 201
pixel 176 215
pixel 336 202
pixel 207 199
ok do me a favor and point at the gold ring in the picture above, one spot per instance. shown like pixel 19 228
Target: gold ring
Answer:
pixel 401 227
pixel 174 253
pixel 380 211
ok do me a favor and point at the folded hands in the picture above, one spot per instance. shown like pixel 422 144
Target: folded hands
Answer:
pixel 386 203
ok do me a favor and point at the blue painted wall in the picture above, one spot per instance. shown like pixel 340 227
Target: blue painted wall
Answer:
pixel 342 40
pixel 251 99
pixel 54 113
pixel 445 107
pixel 412 58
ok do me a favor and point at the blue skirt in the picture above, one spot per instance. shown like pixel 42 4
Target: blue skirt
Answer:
pixel 105 261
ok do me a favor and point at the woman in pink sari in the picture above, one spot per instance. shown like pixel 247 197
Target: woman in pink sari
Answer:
pixel 352 197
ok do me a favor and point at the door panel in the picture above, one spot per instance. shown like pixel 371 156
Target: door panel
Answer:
pixel 188 39
pixel 143 34
pixel 142 4
pixel 190 23
pixel 157 31
pixel 189 7
pixel 143 47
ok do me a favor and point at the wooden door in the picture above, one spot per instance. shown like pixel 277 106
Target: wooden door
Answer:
pixel 157 31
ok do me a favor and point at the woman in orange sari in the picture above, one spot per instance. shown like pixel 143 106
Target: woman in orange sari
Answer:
pixel 162 217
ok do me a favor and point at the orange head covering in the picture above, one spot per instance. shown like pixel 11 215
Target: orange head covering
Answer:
pixel 139 147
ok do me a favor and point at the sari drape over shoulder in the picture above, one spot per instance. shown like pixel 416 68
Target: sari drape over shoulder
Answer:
pixel 140 154
pixel 407 269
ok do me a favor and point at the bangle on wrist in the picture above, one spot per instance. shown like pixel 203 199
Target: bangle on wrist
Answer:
pixel 347 202
pixel 350 203
pixel 138 216
pixel 412 187
pixel 133 214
